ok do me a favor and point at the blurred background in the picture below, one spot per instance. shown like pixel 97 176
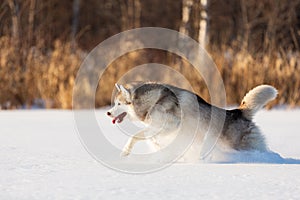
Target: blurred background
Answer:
pixel 42 44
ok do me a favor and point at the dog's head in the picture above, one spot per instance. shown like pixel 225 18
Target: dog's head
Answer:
pixel 122 104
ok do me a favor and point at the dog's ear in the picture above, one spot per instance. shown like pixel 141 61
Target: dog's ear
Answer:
pixel 125 92
pixel 118 87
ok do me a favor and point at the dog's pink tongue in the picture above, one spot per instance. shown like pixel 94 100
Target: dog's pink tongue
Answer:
pixel 119 118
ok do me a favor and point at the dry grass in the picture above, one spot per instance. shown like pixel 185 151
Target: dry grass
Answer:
pixel 241 72
pixel 28 75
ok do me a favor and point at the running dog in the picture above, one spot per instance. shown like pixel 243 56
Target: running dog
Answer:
pixel 164 107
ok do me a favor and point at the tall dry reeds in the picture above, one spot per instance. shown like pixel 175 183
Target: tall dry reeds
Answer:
pixel 242 71
pixel 48 76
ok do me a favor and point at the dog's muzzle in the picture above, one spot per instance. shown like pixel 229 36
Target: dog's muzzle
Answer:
pixel 118 118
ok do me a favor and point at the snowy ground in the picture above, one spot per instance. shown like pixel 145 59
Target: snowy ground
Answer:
pixel 42 158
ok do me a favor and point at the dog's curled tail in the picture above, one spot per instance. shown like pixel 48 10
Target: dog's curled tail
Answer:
pixel 256 98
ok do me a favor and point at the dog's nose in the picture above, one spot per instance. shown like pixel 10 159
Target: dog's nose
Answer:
pixel 108 113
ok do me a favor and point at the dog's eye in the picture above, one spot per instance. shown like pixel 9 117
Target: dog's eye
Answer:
pixel 128 103
pixel 119 104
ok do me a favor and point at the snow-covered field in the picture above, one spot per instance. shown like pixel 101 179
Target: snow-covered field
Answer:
pixel 42 158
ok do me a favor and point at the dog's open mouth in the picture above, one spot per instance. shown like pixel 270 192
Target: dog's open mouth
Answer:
pixel 119 118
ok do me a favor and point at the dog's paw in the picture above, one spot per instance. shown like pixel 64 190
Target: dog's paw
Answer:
pixel 125 153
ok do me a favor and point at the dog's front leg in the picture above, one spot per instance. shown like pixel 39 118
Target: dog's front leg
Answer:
pixel 131 142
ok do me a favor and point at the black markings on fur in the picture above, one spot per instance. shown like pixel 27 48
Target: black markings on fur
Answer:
pixel 201 101
pixel 234 114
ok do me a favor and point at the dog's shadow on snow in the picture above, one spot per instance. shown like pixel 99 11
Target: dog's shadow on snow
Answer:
pixel 252 157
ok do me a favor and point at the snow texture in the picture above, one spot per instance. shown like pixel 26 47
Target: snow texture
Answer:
pixel 42 158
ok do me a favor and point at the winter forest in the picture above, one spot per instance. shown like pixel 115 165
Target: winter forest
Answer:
pixel 42 44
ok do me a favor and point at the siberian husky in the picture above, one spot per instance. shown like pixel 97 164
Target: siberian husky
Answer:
pixel 163 107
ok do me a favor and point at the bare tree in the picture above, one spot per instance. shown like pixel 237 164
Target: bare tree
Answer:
pixel 76 4
pixel 185 26
pixel 15 18
pixel 131 14
pixel 194 19
pixel 202 22
pixel 31 21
